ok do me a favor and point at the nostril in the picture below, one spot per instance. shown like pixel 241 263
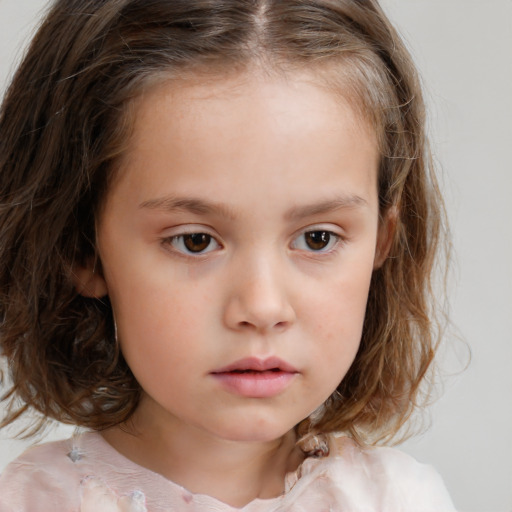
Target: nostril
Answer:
pixel 258 313
pixel 245 324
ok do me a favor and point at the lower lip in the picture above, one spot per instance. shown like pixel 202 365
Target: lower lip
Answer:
pixel 255 384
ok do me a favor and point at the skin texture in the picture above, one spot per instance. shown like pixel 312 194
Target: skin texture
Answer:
pixel 255 164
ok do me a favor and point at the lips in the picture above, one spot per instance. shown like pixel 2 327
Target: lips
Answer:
pixel 256 378
pixel 257 365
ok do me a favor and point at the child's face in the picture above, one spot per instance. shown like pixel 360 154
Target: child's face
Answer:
pixel 241 234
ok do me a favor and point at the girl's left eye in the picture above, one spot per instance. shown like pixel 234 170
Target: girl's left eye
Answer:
pixel 194 243
pixel 316 241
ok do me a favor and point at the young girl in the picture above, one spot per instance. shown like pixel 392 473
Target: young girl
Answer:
pixel 218 224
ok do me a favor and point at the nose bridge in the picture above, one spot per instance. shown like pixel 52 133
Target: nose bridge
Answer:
pixel 260 292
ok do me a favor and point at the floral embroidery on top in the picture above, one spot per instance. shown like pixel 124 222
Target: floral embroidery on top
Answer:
pixel 98 497
pixel 75 454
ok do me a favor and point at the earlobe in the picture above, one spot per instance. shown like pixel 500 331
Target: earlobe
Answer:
pixel 385 236
pixel 89 282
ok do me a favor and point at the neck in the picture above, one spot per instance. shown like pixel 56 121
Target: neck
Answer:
pixel 234 472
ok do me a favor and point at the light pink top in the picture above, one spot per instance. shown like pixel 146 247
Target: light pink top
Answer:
pixel 85 474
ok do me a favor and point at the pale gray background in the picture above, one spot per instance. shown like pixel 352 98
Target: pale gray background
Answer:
pixel 464 51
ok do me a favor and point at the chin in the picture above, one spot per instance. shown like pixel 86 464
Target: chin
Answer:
pixel 255 431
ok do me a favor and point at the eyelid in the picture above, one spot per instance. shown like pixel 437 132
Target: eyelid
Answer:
pixel 189 229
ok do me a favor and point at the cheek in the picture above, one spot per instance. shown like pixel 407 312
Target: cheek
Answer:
pixel 153 316
pixel 157 293
pixel 337 315
pixel 345 296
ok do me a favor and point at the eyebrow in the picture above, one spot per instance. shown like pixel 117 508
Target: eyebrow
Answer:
pixel 188 204
pixel 205 207
pixel 330 205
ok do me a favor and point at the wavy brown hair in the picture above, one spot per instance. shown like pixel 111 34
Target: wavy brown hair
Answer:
pixel 63 123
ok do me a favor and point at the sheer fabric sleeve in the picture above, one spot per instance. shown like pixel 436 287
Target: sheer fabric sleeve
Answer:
pixel 387 480
pixel 41 480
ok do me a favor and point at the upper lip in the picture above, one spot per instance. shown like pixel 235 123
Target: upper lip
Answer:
pixel 257 364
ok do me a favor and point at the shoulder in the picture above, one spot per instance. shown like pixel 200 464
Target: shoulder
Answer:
pixel 385 461
pixel 81 473
pixel 41 479
pixel 385 479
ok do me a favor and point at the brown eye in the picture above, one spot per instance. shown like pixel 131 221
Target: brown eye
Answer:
pixel 193 243
pixel 317 240
pixel 197 242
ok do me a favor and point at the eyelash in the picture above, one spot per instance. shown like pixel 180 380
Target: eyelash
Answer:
pixel 178 243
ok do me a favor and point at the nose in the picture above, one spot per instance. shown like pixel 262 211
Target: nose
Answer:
pixel 259 298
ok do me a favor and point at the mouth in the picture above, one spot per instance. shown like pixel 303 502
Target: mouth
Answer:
pixel 256 378
pixel 256 365
pixel 257 372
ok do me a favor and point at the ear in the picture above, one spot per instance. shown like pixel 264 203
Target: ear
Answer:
pixel 89 281
pixel 385 236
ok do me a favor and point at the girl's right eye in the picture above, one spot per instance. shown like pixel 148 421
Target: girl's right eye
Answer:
pixel 193 243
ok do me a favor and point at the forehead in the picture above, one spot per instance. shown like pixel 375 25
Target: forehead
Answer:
pixel 200 130
pixel 250 99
